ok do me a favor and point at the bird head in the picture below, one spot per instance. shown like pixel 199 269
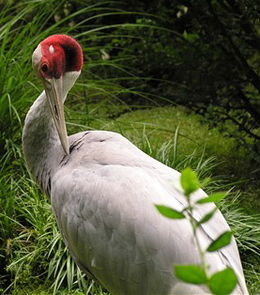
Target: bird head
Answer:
pixel 58 61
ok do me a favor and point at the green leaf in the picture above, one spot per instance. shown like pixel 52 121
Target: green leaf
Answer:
pixel 193 274
pixel 223 282
pixel 205 182
pixel 222 241
pixel 207 216
pixel 169 212
pixel 216 197
pixel 190 36
pixel 189 181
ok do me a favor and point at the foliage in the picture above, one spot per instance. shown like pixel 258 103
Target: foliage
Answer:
pixel 164 124
pixel 202 54
pixel 222 282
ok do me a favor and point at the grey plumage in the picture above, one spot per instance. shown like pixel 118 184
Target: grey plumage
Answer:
pixel 103 194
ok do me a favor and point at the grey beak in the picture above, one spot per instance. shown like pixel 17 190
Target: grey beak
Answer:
pixel 53 90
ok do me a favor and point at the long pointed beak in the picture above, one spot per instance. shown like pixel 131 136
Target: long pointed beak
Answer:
pixel 53 90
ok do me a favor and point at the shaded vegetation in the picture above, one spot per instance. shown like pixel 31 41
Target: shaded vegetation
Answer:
pixel 206 56
pixel 146 56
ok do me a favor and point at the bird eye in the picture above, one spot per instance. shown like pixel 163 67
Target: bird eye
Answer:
pixel 44 68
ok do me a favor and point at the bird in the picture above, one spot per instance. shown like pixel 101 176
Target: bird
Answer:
pixel 103 190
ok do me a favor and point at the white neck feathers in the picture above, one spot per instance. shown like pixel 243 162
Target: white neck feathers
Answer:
pixel 40 138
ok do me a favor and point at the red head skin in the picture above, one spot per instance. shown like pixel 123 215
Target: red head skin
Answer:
pixel 65 55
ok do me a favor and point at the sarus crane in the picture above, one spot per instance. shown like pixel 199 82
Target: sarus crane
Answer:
pixel 103 191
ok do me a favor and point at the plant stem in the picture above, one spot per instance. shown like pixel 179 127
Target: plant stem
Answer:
pixel 193 223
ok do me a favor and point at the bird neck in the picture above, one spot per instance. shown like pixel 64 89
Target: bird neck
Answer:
pixel 41 144
pixel 39 139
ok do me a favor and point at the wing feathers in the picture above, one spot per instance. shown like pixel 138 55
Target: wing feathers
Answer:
pixel 104 197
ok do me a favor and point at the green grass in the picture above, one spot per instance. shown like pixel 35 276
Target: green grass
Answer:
pixel 192 134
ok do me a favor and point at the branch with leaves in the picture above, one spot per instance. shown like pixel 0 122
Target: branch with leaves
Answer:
pixel 219 283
